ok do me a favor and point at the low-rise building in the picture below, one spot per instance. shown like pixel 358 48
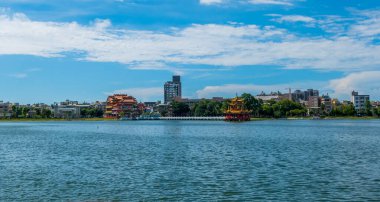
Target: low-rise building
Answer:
pixel 150 106
pixel 276 96
pixel 99 105
pixel 327 103
pixel 68 109
pixel 5 109
pixel 359 101
pixel 313 105
pixel 375 104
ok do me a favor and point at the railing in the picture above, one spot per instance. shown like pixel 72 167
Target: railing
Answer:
pixel 214 118
pixel 208 118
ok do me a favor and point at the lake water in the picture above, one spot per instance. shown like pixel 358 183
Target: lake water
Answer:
pixel 190 160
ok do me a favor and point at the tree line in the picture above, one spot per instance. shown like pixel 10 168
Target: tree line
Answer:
pixel 20 112
pixel 270 109
pixel 30 112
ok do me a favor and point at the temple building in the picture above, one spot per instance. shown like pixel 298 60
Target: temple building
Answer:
pixel 122 105
pixel 236 111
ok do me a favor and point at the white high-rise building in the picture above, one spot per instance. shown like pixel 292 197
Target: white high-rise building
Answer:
pixel 359 101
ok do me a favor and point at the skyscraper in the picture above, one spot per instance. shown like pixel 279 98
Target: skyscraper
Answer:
pixel 172 89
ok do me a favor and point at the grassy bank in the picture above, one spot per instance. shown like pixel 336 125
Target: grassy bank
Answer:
pixel 351 117
pixel 260 119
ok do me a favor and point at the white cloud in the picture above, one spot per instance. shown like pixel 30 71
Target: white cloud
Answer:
pixel 143 94
pixel 272 2
pixel 19 75
pixel 369 26
pixel 216 45
pixel 209 2
pixel 294 18
pixel 366 82
pixel 254 2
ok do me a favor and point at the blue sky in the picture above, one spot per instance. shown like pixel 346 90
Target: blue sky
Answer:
pixel 85 49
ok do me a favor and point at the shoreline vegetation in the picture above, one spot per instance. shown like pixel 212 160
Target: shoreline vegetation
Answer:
pixel 259 110
pixel 252 119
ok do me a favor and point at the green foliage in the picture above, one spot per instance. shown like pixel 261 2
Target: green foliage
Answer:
pixel 20 112
pixel 348 110
pixel 266 110
pixel 30 112
pixel 368 108
pixel 284 108
pixel 225 105
pixel 180 109
pixel 91 113
pixel 377 111
pixel 209 108
pixel 46 113
pixel 251 103
pixel 297 112
pixel 344 110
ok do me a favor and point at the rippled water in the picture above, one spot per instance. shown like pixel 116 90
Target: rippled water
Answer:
pixel 190 160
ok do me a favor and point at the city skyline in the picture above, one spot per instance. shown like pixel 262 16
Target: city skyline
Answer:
pixel 51 51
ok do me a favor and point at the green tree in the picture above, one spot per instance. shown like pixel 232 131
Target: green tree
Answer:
pixel 224 105
pixel 39 112
pixel 14 111
pixel 209 108
pixel 297 112
pixel 251 103
pixel 283 108
pixel 348 110
pixel 266 110
pixel 368 108
pixel 377 111
pixel 180 108
pixel 46 113
pixel 337 111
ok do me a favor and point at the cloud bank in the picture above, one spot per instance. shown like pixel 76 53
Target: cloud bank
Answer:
pixel 208 44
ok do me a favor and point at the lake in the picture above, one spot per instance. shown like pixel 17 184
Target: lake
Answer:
pixel 300 160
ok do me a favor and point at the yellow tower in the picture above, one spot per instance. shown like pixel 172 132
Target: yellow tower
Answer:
pixel 236 111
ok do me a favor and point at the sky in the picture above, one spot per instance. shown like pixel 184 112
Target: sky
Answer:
pixel 85 50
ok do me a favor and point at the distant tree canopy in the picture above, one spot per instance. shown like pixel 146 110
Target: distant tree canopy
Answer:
pixel 286 107
pixel 251 103
pixel 269 109
pixel 344 110
pixel 368 108
pixel 91 113
pixel 209 108
pixel 180 109
pixel 377 111
pixel 30 112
